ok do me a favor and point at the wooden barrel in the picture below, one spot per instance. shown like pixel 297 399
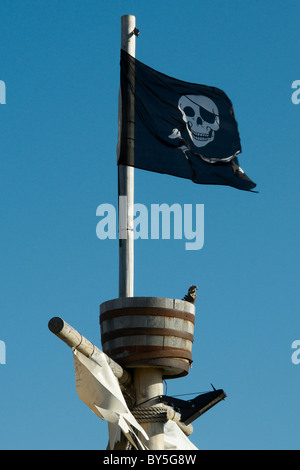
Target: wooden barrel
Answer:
pixel 149 332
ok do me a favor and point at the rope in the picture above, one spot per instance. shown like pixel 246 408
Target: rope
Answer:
pixel 153 414
pixel 160 414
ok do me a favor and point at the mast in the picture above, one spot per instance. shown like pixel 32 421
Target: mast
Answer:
pixel 126 177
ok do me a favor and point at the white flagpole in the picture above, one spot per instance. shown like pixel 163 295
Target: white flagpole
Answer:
pixel 147 381
pixel 126 181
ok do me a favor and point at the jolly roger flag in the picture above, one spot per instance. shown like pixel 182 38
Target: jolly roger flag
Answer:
pixel 178 128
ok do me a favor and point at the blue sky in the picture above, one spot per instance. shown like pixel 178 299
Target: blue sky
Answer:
pixel 60 64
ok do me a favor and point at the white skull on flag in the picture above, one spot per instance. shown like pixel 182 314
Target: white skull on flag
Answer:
pixel 201 117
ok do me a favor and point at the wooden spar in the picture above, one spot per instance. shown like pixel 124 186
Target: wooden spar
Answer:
pixel 148 384
pixel 75 340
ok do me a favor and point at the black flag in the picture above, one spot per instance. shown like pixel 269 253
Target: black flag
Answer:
pixel 179 128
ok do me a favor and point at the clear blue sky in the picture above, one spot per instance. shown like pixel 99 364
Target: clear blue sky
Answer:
pixel 58 136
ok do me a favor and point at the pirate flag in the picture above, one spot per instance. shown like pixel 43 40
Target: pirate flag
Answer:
pixel 178 128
